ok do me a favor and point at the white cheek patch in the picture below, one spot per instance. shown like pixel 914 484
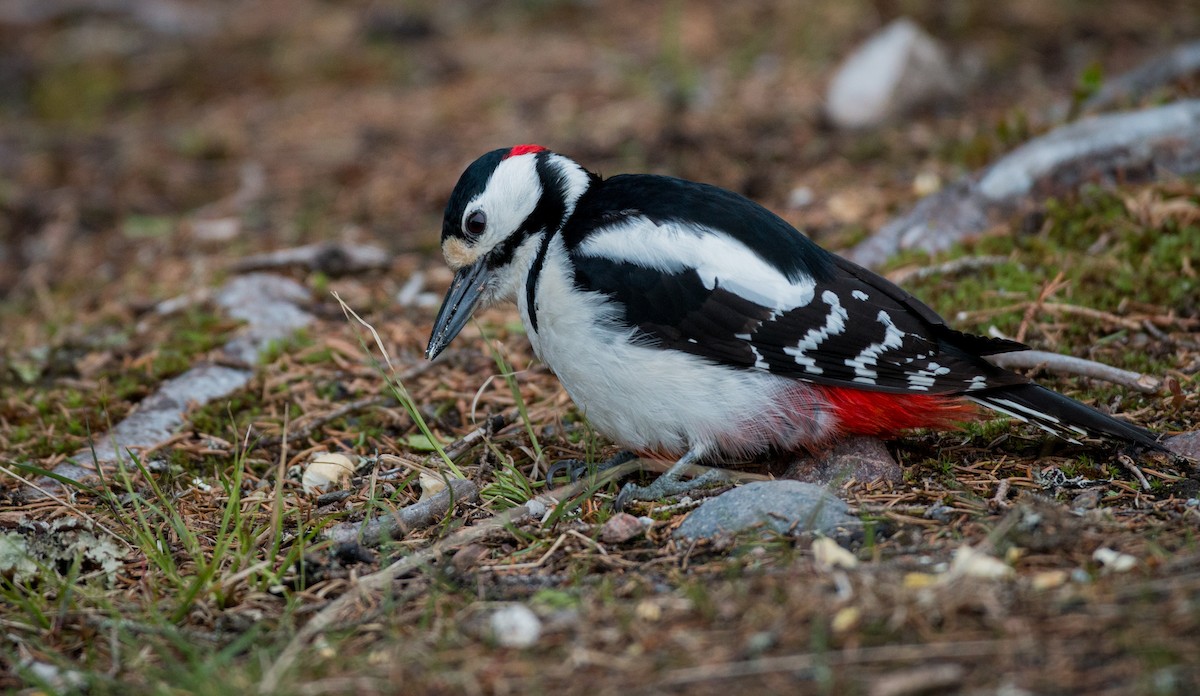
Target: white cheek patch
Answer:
pixel 510 196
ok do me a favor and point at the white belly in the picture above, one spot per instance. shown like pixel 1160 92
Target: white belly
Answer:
pixel 645 398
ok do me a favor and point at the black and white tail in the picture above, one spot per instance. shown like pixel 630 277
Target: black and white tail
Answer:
pixel 1062 416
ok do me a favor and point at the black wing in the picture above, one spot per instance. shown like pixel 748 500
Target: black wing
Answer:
pixel 857 328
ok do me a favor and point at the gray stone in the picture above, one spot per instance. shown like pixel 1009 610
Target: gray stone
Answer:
pixel 784 507
pixel 897 69
pixel 858 458
pixel 1185 445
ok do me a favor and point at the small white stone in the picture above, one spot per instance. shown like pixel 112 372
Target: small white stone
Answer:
pixel 926 183
pixel 828 555
pixel 969 562
pixel 1114 561
pixel 325 471
pixel 536 508
pixel 516 626
pixel 800 197
pixel 431 485
pixel 216 231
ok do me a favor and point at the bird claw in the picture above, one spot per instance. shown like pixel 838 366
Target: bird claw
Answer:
pixel 578 468
pixel 666 486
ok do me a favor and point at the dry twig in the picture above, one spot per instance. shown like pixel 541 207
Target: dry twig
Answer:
pixel 416 516
pixel 1071 365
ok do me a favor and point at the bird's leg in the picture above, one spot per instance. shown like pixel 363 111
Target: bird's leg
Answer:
pixel 671 482
pixel 576 468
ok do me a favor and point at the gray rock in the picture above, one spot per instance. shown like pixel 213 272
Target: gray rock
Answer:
pixel 896 70
pixel 784 507
pixel 858 458
pixel 1185 445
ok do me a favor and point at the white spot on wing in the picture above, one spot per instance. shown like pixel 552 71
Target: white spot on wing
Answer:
pixel 1027 415
pixel 835 323
pixel 860 295
pixel 922 380
pixel 892 338
pixel 758 359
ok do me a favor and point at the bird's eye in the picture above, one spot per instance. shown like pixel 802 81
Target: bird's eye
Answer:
pixel 476 222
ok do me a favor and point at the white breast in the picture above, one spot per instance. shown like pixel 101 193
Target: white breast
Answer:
pixel 645 398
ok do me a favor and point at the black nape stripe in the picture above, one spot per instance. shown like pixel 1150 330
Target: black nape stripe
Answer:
pixel 531 281
pixel 547 215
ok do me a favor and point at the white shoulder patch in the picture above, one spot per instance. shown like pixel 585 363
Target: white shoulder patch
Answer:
pixel 718 258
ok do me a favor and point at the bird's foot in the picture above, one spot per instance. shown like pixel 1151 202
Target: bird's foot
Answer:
pixel 578 468
pixel 667 485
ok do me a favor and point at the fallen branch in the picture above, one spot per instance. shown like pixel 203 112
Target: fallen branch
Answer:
pixel 1128 146
pixel 1126 461
pixel 952 267
pixel 1180 62
pixel 398 524
pixel 490 427
pixel 330 258
pixel 1070 365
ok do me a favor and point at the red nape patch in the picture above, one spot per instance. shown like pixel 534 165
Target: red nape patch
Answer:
pixel 862 412
pixel 524 150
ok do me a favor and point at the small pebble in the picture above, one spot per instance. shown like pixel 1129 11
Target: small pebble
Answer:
pixel 326 471
pixel 846 619
pixel 516 626
pixel 784 507
pixel 926 183
pixel 620 528
pixel 1049 579
pixel 800 197
pixel 829 555
pixel 1114 561
pixel 536 508
pixel 969 562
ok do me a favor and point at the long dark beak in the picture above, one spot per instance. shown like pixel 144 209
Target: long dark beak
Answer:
pixel 461 298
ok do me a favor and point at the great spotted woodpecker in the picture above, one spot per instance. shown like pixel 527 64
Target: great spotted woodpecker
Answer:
pixel 688 321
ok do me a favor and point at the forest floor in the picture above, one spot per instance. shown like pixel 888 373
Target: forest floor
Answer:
pixel 148 150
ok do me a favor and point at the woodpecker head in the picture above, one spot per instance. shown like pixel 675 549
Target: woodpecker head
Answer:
pixel 503 204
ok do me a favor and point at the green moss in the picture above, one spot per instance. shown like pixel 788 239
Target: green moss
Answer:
pixel 296 342
pixel 1105 255
pixel 76 94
